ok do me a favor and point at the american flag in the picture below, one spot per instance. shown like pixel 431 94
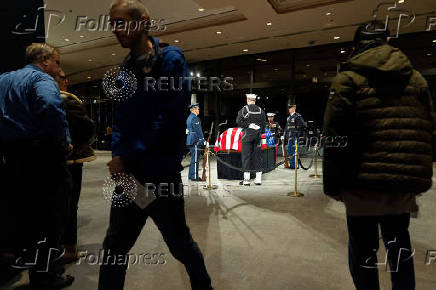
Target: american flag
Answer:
pixel 231 140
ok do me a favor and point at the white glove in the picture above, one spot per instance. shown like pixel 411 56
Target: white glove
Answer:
pixel 187 131
pixel 282 138
pixel 206 144
pixel 254 126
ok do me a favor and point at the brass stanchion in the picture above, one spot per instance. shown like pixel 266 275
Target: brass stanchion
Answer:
pixel 316 175
pixel 209 186
pixel 296 193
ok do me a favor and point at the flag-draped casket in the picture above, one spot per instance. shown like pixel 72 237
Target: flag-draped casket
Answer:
pixel 231 139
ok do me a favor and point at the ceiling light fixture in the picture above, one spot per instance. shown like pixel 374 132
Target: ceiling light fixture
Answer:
pixel 198 75
pixel 429 54
pixel 245 50
pixel 264 60
pixel 66 39
pixel 200 9
pixel 434 41
pixel 268 24
pixel 336 37
pixel 114 54
pixel 343 51
pixel 88 78
pixel 90 59
pixel 218 32
pixel 81 36
pixel 176 40
pixel 328 13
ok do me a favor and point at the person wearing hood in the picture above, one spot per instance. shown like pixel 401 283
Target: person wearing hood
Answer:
pixel 148 142
pixel 378 154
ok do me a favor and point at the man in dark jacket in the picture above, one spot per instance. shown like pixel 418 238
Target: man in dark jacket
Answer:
pixel 251 119
pixel 148 141
pixel 82 130
pixel 378 155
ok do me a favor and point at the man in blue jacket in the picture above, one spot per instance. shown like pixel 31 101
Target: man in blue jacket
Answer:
pixel 194 140
pixel 34 143
pixel 148 141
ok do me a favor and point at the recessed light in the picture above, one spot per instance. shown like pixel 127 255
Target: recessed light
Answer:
pixel 264 60
pixel 176 41
pixel 192 74
pixel 114 54
pixel 268 23
pixel 328 13
pixel 90 59
pixel 198 75
pixel 400 1
pixel 258 59
pixel 66 39
pixel 308 65
pixel 336 37
pixel 81 36
pixel 343 51
pixel 429 54
pixel 245 50
pixel 434 41
pixel 276 69
pixel 218 32
pixel 201 9
pixel 88 78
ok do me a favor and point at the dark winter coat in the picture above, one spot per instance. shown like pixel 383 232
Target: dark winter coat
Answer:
pixel 383 110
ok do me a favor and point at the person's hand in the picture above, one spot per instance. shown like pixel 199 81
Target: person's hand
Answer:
pixel 70 148
pixel 116 165
pixel 254 126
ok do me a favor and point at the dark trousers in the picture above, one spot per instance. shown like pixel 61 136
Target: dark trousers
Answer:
pixel 291 152
pixel 251 154
pixel 126 223
pixel 34 201
pixel 195 157
pixel 364 243
pixel 70 234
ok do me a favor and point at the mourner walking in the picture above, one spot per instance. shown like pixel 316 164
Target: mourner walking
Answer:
pixel 252 119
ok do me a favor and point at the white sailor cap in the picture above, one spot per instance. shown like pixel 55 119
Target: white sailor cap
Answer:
pixel 270 114
pixel 251 96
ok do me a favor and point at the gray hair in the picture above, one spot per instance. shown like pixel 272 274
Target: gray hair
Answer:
pixel 38 52
pixel 135 8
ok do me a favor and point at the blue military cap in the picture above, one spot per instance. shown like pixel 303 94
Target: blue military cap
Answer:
pixel 194 105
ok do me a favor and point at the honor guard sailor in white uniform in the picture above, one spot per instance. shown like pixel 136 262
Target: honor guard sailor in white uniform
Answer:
pixel 252 119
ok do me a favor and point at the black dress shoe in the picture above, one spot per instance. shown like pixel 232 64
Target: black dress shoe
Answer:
pixel 196 179
pixel 242 183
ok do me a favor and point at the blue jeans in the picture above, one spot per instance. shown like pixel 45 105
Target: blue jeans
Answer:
pixel 126 223
pixel 195 157
pixel 363 245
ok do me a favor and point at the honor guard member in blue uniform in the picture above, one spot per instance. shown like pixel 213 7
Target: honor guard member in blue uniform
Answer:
pixel 252 119
pixel 194 140
pixel 294 130
pixel 274 127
